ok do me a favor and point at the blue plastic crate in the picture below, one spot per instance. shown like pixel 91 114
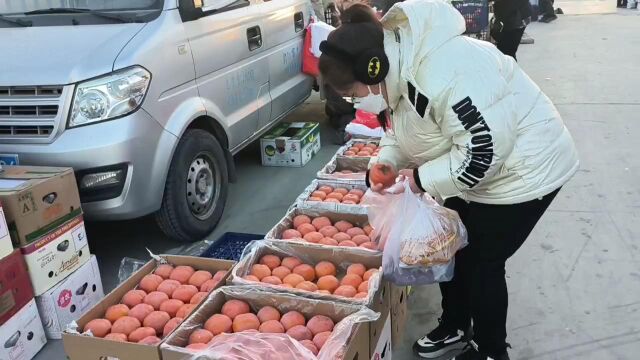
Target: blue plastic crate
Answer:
pixel 230 246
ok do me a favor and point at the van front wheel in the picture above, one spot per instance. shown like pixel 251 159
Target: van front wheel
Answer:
pixel 196 189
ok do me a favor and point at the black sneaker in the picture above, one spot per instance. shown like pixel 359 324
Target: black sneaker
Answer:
pixel 471 353
pixel 547 19
pixel 439 342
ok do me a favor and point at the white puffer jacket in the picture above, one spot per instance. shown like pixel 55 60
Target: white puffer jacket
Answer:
pixel 467 116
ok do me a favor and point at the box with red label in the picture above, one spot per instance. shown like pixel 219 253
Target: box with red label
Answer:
pixel 54 256
pixel 15 286
pixel 70 299
pixel 22 336
pixel 6 247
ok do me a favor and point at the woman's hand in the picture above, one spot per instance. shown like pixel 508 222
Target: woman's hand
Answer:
pixel 407 174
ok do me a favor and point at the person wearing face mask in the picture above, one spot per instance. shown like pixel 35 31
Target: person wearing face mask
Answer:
pixel 466 125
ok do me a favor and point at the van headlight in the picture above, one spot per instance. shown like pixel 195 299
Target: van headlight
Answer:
pixel 109 96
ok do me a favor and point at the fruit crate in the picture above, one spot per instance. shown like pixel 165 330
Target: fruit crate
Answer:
pixel 230 246
pixel 476 15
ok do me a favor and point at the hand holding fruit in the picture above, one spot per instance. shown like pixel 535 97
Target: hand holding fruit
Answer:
pixel 382 176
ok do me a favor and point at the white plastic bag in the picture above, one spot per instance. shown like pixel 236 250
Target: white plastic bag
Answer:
pixel 419 237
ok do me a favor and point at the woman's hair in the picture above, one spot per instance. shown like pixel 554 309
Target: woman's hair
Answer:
pixel 360 30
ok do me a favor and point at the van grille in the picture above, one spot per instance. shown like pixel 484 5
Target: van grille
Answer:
pixel 27 130
pixel 31 112
pixel 30 91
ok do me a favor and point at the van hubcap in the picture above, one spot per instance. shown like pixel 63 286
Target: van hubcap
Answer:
pixel 202 186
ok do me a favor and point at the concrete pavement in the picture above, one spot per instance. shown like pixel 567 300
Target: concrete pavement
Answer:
pixel 574 287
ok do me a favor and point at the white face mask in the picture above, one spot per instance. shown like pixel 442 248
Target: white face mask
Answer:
pixel 372 103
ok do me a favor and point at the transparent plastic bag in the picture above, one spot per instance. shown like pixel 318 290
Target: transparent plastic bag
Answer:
pixel 262 346
pixel 419 237
pixel 128 266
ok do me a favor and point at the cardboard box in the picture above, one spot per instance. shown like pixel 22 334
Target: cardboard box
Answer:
pixel 357 219
pixel 22 336
pixel 303 199
pixel 15 285
pixel 55 255
pixel 70 299
pixel 290 144
pixel 381 347
pixel 81 347
pixel 398 313
pixel 37 200
pixel 312 254
pixel 382 305
pixel 357 342
pixel 6 247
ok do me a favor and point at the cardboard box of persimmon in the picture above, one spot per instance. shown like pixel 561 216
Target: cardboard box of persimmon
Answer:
pixel 238 319
pixel 132 320
pixel 333 274
pixel 322 227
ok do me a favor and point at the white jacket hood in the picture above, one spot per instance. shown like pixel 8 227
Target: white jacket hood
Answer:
pixel 426 28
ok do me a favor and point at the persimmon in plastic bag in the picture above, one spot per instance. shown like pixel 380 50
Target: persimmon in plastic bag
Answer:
pixel 419 237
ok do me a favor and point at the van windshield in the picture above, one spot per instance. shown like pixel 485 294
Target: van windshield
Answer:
pixel 79 12
pixel 22 6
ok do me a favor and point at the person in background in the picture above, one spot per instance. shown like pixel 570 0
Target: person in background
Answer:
pixel 466 125
pixel 511 18
pixel 546 9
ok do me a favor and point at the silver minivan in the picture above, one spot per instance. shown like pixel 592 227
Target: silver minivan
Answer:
pixel 148 100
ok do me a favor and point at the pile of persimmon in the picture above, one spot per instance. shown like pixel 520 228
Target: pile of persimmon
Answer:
pixel 326 193
pixel 291 272
pixel 361 149
pixel 321 230
pixel 157 306
pixel 236 316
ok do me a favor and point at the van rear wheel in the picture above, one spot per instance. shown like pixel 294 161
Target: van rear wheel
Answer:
pixel 196 189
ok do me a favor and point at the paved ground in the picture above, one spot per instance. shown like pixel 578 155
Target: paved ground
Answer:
pixel 575 285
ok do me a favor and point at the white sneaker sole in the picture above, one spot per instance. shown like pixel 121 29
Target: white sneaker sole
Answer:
pixel 444 350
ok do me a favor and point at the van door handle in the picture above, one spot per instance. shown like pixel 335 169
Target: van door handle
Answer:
pixel 254 37
pixel 298 21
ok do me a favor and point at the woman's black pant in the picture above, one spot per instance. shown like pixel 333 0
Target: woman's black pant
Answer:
pixel 509 40
pixel 478 290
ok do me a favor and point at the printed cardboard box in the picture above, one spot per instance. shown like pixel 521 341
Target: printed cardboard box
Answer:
pixel 37 200
pixel 15 286
pixel 70 299
pixel 290 144
pixel 82 347
pixel 6 247
pixel 56 254
pixel 22 336
pixel 382 349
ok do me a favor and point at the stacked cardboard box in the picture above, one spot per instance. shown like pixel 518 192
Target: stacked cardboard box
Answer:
pixel 45 222
pixel 21 331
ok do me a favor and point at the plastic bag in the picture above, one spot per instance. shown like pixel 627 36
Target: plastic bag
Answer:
pixel 419 237
pixel 261 346
pixel 128 266
pixel 310 63
pixel 311 254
